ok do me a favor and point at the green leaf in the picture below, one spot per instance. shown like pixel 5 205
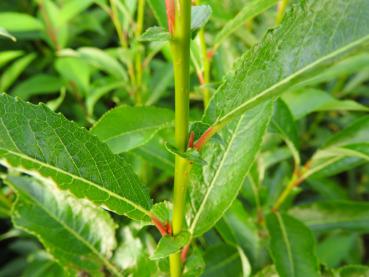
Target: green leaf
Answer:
pixel 73 8
pixel 303 102
pixel 47 146
pixel 125 127
pixel 213 187
pixel 199 16
pixel 332 215
pixel 353 141
pixel 308 37
pixel 41 264
pixel 75 71
pixel 6 34
pixel 13 71
pixel 155 34
pixel 75 232
pixel 222 261
pixel 353 271
pixel 159 10
pixel 37 85
pixel 170 244
pixel 249 11
pixel 191 155
pixel 195 264
pixel 19 22
pixel 8 56
pixel 292 246
pixel 284 124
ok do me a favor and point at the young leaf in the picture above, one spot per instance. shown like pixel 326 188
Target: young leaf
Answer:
pixel 7 56
pixel 19 22
pixel 36 141
pixel 333 215
pixel 308 37
pixel 125 128
pixel 199 16
pixel 75 232
pixel 6 34
pixel 250 10
pixel 213 187
pixel 305 101
pixel 14 70
pixel 159 10
pixel 292 246
pixel 170 244
pixel 350 142
pixel 37 85
pixel 155 34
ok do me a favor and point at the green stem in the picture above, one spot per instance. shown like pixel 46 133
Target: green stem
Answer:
pixel 282 5
pixel 181 58
pixel 138 58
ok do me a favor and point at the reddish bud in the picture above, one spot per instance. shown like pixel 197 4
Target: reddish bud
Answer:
pixel 204 138
pixel 170 14
pixel 184 253
pixel 210 54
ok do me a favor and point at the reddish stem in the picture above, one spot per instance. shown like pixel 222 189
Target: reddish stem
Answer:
pixel 204 138
pixel 162 229
pixel 170 14
pixel 191 139
pixel 169 228
pixel 184 253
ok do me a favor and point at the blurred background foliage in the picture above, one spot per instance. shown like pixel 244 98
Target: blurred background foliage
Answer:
pixel 84 57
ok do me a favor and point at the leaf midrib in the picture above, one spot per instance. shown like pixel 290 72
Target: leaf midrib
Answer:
pixel 286 241
pixel 243 107
pixel 70 230
pixel 22 156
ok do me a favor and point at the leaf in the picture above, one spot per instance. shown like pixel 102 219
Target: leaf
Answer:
pixel 42 265
pixel 125 128
pixel 73 8
pixel 334 215
pixel 308 37
pixel 222 261
pixel 159 10
pixel 7 56
pixel 353 271
pixel 47 146
pixel 37 85
pixel 199 16
pixel 14 70
pixel 195 264
pixel 283 123
pixel 214 186
pixel 19 22
pixel 249 11
pixel 6 34
pixel 170 244
pixel 292 246
pixel 191 155
pixel 75 71
pixel 155 34
pixel 350 142
pixel 78 234
pixel 306 101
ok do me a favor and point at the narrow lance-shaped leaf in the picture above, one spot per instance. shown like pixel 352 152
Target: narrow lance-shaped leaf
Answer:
pixel 292 246
pixel 250 10
pixel 78 234
pixel 333 215
pixel 309 36
pixel 125 128
pixel 214 186
pixel 350 143
pixel 43 144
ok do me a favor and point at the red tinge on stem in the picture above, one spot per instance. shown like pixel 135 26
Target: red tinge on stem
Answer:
pixel 159 225
pixel 204 138
pixel 184 253
pixel 191 140
pixel 170 14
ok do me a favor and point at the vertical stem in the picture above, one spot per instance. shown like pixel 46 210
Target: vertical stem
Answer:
pixel 181 56
pixel 138 58
pixel 206 64
pixel 282 5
